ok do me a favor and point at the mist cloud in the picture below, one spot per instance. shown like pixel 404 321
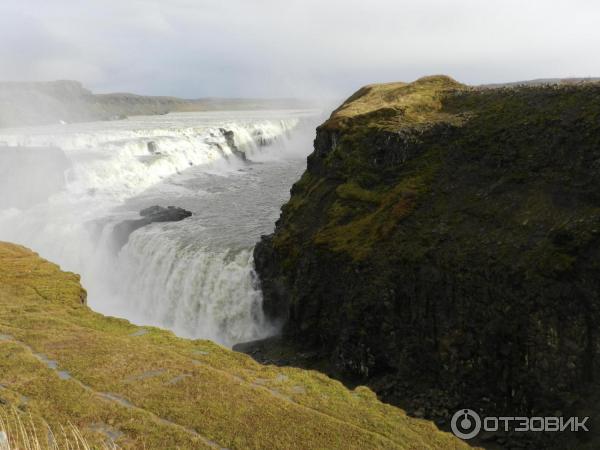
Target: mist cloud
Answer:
pixel 195 48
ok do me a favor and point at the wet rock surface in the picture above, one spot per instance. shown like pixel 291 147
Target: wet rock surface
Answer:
pixel 229 136
pixel 149 215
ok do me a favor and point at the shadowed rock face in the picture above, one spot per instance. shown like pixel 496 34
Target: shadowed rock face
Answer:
pixel 443 246
pixel 230 139
pixel 149 215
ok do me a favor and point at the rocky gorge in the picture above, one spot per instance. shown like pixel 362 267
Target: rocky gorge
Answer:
pixel 443 247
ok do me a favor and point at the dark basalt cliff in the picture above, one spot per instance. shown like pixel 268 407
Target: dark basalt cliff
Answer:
pixel 443 246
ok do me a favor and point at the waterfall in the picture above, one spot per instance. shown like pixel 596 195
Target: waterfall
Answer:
pixel 171 275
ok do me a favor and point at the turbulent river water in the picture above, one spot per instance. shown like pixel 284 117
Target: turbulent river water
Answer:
pixel 195 276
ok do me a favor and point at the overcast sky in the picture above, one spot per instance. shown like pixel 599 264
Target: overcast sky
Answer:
pixel 274 48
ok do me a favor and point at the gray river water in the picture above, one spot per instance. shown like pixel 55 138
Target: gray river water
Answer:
pixel 194 277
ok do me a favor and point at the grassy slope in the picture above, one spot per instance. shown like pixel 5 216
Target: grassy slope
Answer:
pixel 153 390
pixel 398 105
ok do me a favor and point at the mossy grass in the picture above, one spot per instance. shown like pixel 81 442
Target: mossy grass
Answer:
pixel 394 105
pixel 63 363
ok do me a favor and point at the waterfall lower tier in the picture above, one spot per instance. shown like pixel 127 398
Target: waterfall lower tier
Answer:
pixel 195 276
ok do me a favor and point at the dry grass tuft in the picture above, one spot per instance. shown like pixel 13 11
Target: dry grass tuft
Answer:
pixel 403 103
pixel 64 363
pixel 20 431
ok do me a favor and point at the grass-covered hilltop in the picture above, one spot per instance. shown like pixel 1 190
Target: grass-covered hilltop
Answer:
pixel 443 246
pixel 66 367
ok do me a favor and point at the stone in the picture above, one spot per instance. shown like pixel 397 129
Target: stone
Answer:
pixel 149 215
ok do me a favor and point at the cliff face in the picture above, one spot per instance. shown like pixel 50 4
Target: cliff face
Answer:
pixel 444 242
pixel 144 388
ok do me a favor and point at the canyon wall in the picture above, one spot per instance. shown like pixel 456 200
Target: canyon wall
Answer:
pixel 443 246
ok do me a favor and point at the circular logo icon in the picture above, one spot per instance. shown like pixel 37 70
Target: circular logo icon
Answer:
pixel 466 424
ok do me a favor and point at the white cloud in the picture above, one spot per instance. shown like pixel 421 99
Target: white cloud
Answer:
pixel 277 48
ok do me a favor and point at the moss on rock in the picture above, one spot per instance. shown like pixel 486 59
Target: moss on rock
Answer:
pixel 445 240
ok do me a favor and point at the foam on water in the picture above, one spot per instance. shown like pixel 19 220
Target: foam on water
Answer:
pixel 194 277
pixel 187 289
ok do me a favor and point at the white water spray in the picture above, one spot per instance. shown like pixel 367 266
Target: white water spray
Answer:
pixel 191 277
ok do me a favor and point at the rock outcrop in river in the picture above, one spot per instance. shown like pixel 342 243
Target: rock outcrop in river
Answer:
pixel 144 388
pixel 443 246
pixel 148 215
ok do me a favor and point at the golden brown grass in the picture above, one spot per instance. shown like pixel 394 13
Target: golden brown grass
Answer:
pixel 153 390
pixel 20 431
pixel 407 103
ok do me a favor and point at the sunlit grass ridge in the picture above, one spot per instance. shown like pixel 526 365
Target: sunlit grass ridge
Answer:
pixel 146 388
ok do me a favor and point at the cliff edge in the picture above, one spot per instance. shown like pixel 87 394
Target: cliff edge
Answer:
pixel 443 246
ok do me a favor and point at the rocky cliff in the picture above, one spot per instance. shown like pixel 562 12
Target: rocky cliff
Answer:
pixel 144 388
pixel 443 246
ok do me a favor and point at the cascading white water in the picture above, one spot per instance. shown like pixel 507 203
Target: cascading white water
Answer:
pixel 117 163
pixel 194 277
pixel 188 289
